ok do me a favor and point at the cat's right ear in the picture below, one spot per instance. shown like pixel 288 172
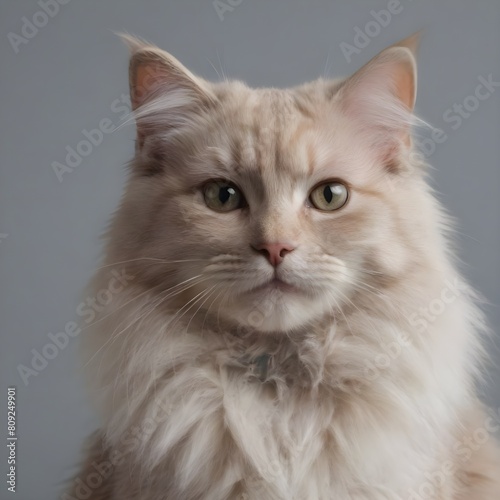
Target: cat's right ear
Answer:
pixel 161 88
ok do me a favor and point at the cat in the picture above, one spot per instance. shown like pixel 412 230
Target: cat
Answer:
pixel 293 325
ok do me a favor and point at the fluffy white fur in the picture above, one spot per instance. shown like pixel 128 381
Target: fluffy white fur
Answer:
pixel 342 390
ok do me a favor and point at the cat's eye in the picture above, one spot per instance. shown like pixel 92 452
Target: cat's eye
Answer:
pixel 223 196
pixel 329 196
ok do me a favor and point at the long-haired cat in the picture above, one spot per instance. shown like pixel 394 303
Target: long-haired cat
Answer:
pixel 290 323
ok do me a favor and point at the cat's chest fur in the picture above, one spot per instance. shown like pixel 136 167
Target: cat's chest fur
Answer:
pixel 273 418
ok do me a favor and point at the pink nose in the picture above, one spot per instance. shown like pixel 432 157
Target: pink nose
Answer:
pixel 274 252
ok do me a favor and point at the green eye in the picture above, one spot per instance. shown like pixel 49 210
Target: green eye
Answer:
pixel 222 196
pixel 329 196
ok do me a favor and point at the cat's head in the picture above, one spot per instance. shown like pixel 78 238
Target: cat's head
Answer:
pixel 270 207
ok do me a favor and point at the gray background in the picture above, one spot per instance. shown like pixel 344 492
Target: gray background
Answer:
pixel 66 78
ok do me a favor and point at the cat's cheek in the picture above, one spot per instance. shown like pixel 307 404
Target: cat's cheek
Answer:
pixel 391 259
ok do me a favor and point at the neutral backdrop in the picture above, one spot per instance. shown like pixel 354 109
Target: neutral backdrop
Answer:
pixel 63 78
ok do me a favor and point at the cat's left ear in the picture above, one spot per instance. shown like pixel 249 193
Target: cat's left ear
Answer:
pixel 163 92
pixel 381 95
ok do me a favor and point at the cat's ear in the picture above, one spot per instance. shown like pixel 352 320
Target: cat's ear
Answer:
pixel 381 95
pixel 157 77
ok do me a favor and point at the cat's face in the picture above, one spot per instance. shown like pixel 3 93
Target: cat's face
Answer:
pixel 268 207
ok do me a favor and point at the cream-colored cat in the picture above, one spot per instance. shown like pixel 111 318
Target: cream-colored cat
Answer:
pixel 292 325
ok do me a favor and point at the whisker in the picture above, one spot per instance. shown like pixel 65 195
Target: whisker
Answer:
pixel 162 261
pixel 224 297
pixel 113 337
pixel 346 299
pixel 342 312
pixel 149 311
pixel 193 302
pixel 201 305
pixel 181 287
pixel 208 309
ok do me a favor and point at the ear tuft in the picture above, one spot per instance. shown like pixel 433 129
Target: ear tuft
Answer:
pixel 412 43
pixel 134 43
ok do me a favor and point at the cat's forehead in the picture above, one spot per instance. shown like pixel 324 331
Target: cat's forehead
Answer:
pixel 286 133
pixel 264 127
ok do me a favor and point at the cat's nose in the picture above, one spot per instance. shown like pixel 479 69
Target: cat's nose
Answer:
pixel 274 252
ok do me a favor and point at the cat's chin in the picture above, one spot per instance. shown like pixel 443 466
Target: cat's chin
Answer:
pixel 275 308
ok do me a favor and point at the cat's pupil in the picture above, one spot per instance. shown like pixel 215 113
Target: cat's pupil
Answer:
pixel 328 194
pixel 225 193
